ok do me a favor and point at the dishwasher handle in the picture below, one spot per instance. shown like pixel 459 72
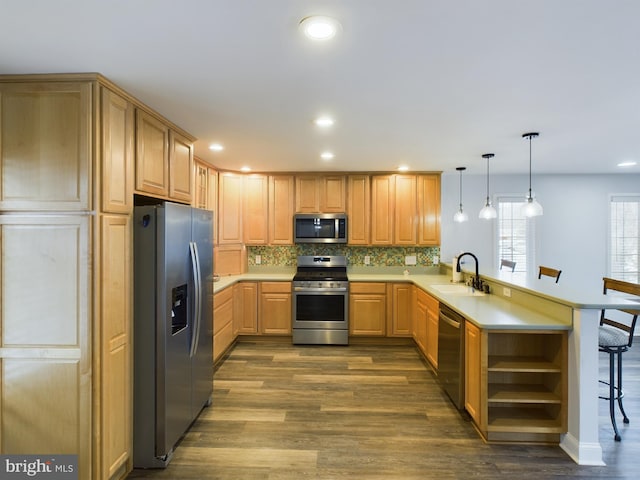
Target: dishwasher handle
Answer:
pixel 451 321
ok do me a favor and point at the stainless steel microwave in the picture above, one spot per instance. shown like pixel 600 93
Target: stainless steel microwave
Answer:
pixel 320 228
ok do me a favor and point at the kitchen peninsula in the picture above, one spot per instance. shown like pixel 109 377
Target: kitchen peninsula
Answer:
pixel 516 304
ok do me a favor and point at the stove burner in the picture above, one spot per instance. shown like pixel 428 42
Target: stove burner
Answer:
pixel 321 269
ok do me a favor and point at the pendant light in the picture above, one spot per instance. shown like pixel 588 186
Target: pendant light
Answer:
pixel 460 216
pixel 488 212
pixel 532 208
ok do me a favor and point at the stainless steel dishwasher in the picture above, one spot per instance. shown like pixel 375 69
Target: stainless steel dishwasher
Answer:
pixel 451 354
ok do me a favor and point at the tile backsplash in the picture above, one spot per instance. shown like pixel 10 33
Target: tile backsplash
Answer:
pixel 286 255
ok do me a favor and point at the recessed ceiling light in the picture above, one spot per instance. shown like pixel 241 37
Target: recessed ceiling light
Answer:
pixel 327 155
pixel 324 121
pixel 246 169
pixel 216 147
pixel 403 168
pixel 630 163
pixel 319 28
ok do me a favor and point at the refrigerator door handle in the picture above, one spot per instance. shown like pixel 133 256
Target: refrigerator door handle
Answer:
pixel 195 269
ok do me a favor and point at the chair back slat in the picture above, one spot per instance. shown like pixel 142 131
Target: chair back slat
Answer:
pixel 508 264
pixel 549 272
pixel 611 284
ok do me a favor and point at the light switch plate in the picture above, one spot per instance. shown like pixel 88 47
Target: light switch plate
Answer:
pixel 410 260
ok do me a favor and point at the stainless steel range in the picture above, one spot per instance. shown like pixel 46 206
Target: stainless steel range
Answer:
pixel 321 301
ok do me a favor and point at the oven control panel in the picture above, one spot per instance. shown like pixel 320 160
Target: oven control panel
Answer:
pixel 319 285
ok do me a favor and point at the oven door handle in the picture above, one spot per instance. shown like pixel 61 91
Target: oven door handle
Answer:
pixel 320 290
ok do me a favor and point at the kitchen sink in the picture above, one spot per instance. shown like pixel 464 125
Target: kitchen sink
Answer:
pixel 458 289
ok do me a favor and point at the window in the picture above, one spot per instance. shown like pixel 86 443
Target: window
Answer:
pixel 515 234
pixel 624 238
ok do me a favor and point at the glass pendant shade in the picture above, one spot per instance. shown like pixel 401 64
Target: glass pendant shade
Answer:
pixel 532 208
pixel 460 216
pixel 488 212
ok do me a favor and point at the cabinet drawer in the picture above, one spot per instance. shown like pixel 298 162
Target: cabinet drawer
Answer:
pixel 367 287
pixel 275 287
pixel 222 309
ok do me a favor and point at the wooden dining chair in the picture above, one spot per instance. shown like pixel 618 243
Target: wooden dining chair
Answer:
pixel 508 264
pixel 549 272
pixel 614 338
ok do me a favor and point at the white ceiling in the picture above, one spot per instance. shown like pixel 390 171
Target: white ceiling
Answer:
pixel 433 84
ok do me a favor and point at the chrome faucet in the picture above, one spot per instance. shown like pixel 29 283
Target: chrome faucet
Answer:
pixel 476 282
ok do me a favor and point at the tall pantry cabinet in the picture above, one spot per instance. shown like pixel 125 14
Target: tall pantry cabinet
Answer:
pixel 66 201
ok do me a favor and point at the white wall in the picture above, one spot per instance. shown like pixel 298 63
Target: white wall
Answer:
pixel 572 234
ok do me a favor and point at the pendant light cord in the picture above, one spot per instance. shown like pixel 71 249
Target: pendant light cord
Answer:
pixel 488 180
pixel 460 189
pixel 530 196
pixel 530 135
pixel 488 156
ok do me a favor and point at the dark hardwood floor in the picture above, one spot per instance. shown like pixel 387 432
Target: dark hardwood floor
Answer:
pixel 365 412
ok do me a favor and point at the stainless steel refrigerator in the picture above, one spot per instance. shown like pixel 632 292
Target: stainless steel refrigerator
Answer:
pixel 173 326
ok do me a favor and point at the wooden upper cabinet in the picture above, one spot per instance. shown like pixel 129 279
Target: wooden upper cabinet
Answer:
pixel 212 193
pixel 152 155
pixel 230 208
pixel 358 209
pixel 320 194
pixel 45 145
pixel 333 193
pixel 117 153
pixel 180 167
pixel 201 188
pixel 281 206
pixel 404 230
pixel 205 191
pixel 382 201
pixel 307 194
pixel 429 209
pixel 255 207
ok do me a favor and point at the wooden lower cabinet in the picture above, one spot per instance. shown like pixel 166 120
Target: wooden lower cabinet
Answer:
pixel 367 308
pixel 274 310
pixel 433 314
pixel 245 312
pixel 474 379
pixel 400 317
pixel 516 384
pixel 419 327
pixel 425 326
pixel 223 335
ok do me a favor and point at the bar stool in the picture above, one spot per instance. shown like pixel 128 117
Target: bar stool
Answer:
pixel 614 338
pixel 549 272
pixel 508 264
